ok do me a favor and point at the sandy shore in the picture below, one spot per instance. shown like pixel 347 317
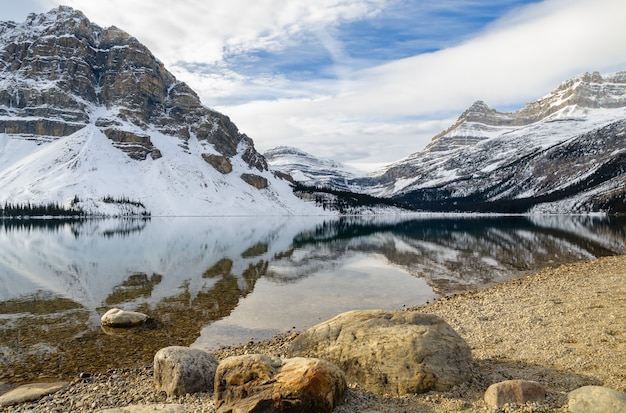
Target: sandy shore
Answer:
pixel 564 327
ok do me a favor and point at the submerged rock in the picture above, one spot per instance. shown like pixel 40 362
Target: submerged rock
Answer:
pixel 390 352
pixel 121 318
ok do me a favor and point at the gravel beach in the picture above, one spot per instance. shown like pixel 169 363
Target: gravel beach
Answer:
pixel 564 327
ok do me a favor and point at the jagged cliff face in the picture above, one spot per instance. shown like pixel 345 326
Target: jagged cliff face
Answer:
pixel 58 66
pixel 67 82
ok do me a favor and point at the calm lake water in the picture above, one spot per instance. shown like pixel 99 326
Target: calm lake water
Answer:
pixel 221 281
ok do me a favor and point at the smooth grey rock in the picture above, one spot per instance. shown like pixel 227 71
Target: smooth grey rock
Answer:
pixel 596 399
pixel 259 383
pixel 30 392
pixel 514 391
pixel 390 352
pixel 116 317
pixel 181 370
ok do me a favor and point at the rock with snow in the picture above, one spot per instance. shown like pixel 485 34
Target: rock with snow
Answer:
pixel 116 317
pixel 180 370
pixel 390 352
pixel 259 383
pixel 310 170
pixel 596 399
pixel 30 392
pixel 514 391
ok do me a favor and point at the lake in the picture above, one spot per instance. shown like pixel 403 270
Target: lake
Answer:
pixel 221 281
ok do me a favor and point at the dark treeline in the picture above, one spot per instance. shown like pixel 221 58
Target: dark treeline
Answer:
pixel 53 209
pixel 344 201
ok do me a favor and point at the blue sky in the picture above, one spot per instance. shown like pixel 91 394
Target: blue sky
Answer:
pixel 365 82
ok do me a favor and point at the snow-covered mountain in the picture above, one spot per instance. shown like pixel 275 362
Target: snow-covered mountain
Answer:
pixel 565 153
pixel 308 169
pixel 90 119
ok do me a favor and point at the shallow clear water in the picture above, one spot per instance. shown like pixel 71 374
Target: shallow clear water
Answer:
pixel 215 281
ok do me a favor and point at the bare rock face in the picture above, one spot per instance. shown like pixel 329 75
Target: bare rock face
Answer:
pixel 180 370
pixel 58 67
pixel 390 352
pixel 514 391
pixel 220 163
pixel 256 181
pixel 259 383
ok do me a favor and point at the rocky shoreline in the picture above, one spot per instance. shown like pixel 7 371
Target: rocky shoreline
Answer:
pixel 563 327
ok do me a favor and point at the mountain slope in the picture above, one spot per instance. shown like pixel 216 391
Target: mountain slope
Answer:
pixel 563 153
pixel 308 169
pixel 88 114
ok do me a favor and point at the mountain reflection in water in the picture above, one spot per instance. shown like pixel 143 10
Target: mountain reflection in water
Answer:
pixel 213 281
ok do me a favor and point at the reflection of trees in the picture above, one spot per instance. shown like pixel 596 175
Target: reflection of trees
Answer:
pixel 78 226
pixel 458 254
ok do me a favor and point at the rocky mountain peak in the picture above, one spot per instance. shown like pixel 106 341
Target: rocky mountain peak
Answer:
pixel 58 68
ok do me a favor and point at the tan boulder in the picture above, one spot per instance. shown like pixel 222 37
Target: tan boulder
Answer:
pixel 259 383
pixel 390 352
pixel 180 370
pixel 514 391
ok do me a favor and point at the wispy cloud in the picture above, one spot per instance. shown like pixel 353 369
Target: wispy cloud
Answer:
pixel 366 80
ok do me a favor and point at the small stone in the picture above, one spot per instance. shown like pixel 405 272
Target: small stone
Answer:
pixel 596 399
pixel 121 318
pixel 514 391
pixel 30 392
pixel 181 370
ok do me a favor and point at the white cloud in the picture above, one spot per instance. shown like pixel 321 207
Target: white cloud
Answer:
pixel 381 113
pixel 205 30
pixel 520 58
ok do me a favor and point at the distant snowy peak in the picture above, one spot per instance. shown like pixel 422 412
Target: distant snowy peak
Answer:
pixel 308 169
pixel 562 153
pixel 573 99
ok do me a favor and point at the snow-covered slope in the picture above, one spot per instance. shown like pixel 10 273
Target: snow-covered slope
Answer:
pixel 91 120
pixel 565 153
pixel 308 169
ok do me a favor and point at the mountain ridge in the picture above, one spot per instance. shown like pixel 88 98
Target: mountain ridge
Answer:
pixel 490 161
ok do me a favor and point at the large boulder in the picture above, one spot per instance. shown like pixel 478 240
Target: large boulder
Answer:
pixel 180 370
pixel 259 383
pixel 390 352
pixel 121 318
pixel 596 399
pixel 514 391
